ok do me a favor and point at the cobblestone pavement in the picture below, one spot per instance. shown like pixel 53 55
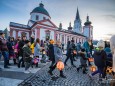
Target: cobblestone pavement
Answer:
pixel 42 78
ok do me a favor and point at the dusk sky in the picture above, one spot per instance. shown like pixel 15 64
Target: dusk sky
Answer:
pixel 101 13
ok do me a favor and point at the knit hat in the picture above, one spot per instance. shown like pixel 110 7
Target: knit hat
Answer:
pixel 101 43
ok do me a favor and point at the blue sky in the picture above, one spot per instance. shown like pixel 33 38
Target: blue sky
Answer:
pixel 101 13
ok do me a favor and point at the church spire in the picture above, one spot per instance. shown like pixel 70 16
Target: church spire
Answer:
pixel 87 21
pixel 70 28
pixel 77 14
pixel 60 26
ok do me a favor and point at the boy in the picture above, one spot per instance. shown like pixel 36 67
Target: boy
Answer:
pixel 27 54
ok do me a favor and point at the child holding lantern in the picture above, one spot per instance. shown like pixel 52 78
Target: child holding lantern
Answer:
pixel 100 60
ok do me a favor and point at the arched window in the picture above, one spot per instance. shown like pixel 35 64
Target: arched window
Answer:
pixel 37 17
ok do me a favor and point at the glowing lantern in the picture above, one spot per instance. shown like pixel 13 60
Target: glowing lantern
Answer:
pixel 51 41
pixel 109 70
pixel 60 65
pixel 35 60
pixel 91 59
pixel 93 68
pixel 74 52
pixel 44 52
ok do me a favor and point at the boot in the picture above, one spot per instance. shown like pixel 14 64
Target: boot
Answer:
pixel 62 75
pixel 8 63
pixel 50 72
pixel 14 61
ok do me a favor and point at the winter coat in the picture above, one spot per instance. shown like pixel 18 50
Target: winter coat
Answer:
pixel 21 44
pixel 58 53
pixel 51 52
pixel 16 48
pixel 26 53
pixel 86 46
pixel 83 58
pixel 37 49
pixel 11 48
pixel 32 48
pixel 3 44
pixel 100 58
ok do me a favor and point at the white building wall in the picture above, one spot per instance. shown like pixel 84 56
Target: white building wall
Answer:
pixel 42 34
pixel 19 33
pixel 86 31
pixel 33 16
pixel 52 35
pixel 14 34
pixel 27 35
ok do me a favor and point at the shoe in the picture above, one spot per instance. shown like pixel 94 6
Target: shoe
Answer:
pixel 6 67
pixel 62 76
pixel 18 65
pixel 50 72
pixel 65 64
pixel 23 66
pixel 84 72
pixel 26 71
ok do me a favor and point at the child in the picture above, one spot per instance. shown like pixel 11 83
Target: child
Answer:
pixel 83 61
pixel 27 56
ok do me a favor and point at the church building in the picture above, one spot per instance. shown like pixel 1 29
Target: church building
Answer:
pixel 41 26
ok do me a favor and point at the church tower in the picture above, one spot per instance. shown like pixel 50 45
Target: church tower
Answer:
pixel 77 23
pixel 88 28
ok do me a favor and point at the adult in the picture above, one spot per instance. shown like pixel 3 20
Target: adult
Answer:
pixel 4 48
pixel 58 56
pixel 37 49
pixel 70 53
pixel 51 52
pixel 21 44
pixel 10 45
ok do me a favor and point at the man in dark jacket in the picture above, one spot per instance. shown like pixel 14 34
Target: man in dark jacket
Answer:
pixel 4 49
pixel 70 53
pixel 21 44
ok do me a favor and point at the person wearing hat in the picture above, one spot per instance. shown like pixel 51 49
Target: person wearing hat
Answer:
pixel 100 60
pixel 4 48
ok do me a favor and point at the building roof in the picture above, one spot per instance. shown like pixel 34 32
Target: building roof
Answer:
pixel 40 9
pixel 71 32
pixel 19 25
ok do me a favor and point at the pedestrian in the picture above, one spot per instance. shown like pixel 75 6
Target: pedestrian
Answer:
pixel 37 49
pixel 21 44
pixel 70 53
pixel 27 56
pixel 100 60
pixel 83 61
pixel 51 52
pixel 58 56
pixel 4 48
pixel 112 46
pixel 11 45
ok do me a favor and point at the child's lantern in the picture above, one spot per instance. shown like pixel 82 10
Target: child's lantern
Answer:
pixel 93 68
pixel 74 52
pixel 60 65
pixel 36 60
pixel 91 59
pixel 109 70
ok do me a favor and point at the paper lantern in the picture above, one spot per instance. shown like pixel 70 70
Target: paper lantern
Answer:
pixel 44 52
pixel 36 60
pixel 74 52
pixel 51 41
pixel 93 68
pixel 109 70
pixel 91 59
pixel 60 65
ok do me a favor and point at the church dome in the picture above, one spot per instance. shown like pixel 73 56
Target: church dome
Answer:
pixel 40 9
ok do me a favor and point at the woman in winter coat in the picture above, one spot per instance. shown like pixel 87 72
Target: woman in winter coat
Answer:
pixel 58 56
pixel 11 49
pixel 100 60
pixel 37 49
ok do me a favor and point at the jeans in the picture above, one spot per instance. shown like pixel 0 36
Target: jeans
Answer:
pixel 6 57
pixel 100 71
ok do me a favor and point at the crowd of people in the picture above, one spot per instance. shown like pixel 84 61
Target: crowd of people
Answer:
pixel 30 51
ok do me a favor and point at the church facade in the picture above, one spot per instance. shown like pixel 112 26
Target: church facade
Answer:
pixel 41 26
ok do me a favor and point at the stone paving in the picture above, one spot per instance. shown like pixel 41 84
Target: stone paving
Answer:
pixel 42 78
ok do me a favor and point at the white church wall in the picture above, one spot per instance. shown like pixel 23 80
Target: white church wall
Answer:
pixel 19 33
pixel 40 16
pixel 14 34
pixel 52 35
pixel 27 35
pixel 42 34
pixel 86 31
